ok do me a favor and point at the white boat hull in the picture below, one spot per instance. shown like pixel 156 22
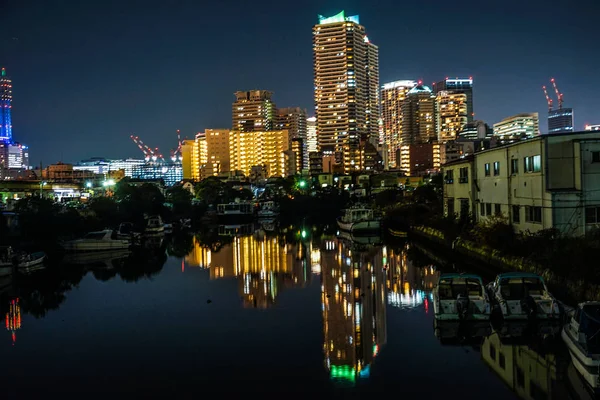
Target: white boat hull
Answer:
pixel 156 230
pixel 32 263
pixel 587 366
pixel 360 226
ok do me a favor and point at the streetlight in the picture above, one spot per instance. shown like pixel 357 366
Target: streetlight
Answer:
pixel 88 185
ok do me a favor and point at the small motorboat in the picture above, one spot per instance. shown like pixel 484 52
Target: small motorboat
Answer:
pixel 31 260
pixel 359 219
pixel 460 297
pixel 523 295
pixel 97 241
pixel 7 260
pixel 155 225
pixel 582 336
pixel 126 231
pixel 268 209
pixel 168 228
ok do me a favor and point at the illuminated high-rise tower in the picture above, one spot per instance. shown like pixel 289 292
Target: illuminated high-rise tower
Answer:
pixel 393 95
pixel 346 80
pixel 254 111
pixel 458 85
pixel 5 107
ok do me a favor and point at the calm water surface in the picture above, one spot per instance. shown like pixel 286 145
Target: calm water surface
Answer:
pixel 254 314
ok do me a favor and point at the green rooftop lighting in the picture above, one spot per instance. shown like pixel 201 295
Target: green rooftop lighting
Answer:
pixel 339 17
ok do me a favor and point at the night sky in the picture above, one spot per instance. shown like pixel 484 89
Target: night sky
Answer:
pixel 87 74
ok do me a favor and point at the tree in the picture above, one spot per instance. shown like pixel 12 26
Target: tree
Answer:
pixel 181 199
pixel 210 190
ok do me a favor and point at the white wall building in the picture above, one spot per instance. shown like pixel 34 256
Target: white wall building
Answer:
pixel 546 182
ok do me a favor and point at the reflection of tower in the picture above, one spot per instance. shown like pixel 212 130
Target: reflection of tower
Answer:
pixel 353 302
pixel 529 374
pixel 13 318
pixel 408 285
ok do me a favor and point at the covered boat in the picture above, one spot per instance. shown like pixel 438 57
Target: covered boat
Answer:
pixel 359 219
pixel 460 297
pixel 522 295
pixel 582 337
pixel 97 241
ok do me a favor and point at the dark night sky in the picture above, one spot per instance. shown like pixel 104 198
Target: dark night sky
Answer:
pixel 87 74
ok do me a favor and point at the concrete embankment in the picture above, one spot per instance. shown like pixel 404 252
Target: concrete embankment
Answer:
pixel 474 253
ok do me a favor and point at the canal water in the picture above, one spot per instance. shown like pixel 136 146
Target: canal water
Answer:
pixel 255 314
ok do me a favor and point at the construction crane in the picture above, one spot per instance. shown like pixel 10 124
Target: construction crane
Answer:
pixel 149 153
pixel 176 154
pixel 548 99
pixel 559 95
pixel 145 149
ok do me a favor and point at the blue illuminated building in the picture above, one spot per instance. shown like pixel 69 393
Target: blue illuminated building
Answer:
pixel 560 121
pixel 5 108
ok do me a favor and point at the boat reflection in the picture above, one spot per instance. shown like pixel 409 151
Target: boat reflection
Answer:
pixel 353 306
pixel 461 332
pixel 529 370
pixel 264 265
pixel 409 286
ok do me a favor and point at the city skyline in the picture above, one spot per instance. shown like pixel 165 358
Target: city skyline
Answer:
pixel 73 70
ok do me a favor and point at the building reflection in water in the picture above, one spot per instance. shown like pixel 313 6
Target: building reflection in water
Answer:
pixel 263 265
pixel 408 286
pixel 353 305
pixel 529 374
pixel 13 319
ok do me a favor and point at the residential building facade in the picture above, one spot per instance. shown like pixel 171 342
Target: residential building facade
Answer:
pixel 346 84
pixel 551 181
pixel 517 127
pixel 269 149
pixel 393 95
pixel 254 111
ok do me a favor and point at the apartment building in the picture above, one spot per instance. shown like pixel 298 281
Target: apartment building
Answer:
pixel 546 182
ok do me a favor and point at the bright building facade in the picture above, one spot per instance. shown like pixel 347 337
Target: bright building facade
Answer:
pixel 551 181
pixel 270 149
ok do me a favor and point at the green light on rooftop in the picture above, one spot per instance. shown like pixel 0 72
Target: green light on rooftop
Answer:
pixel 339 17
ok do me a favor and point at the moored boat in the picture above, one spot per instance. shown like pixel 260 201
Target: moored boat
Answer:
pixel 581 334
pixel 126 231
pixel 31 260
pixel 523 295
pixel 237 208
pixel 359 219
pixel 460 297
pixel 97 241
pixel 7 260
pixel 268 209
pixel 154 225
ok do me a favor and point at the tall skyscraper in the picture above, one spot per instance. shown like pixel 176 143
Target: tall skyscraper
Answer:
pixel 254 111
pixel 293 120
pixel 452 114
pixel 346 78
pixel 458 85
pixel 420 151
pixel 311 135
pixel 393 95
pixel 560 121
pixel 419 116
pixel 372 108
pixel 5 107
pixel 517 127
